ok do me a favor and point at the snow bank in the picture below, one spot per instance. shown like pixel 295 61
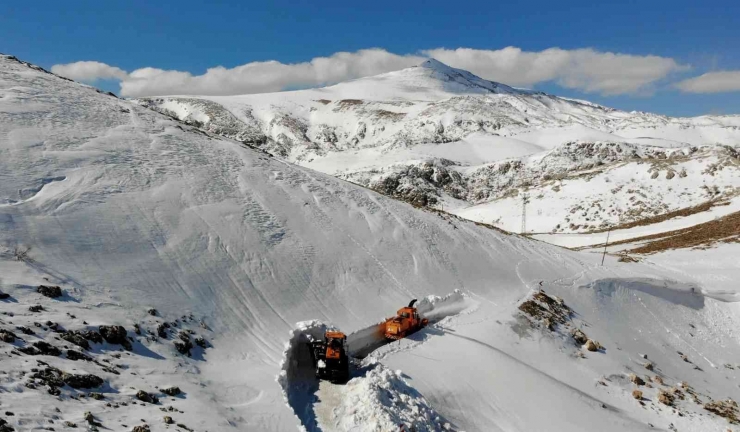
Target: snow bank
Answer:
pixel 363 341
pixel 383 400
pixel 436 308
pixel 296 377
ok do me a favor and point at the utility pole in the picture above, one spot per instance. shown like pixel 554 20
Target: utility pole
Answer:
pixel 525 200
pixel 605 245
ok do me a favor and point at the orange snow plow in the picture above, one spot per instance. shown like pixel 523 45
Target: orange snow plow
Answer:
pixel 404 323
pixel 330 357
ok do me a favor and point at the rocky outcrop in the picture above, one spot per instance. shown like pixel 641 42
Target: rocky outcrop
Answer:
pixel 171 391
pixel 41 348
pixel 82 381
pixel 7 336
pixel 115 335
pixel 147 397
pixel 49 291
pixel 76 338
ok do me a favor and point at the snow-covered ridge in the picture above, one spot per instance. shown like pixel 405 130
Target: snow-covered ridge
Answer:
pixel 437 136
pixel 430 103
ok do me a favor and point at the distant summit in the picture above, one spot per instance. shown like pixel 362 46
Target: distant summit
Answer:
pixel 463 81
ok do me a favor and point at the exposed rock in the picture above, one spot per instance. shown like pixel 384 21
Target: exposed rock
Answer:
pixel 116 335
pixel 36 308
pixel 91 335
pixel 171 391
pixel 96 396
pixel 146 397
pixel 76 338
pixel 666 398
pixel 51 377
pixel 137 329
pixel 25 330
pixel 658 380
pixel 168 420
pixel 49 291
pixel 201 342
pixel 637 394
pixel 55 327
pixel 184 345
pixel 726 408
pixel 69 424
pixel 152 312
pixel 7 336
pixel 546 309
pixel 82 381
pixel 142 428
pixel 591 345
pixel 4 296
pixel 579 336
pixel 41 348
pixel 76 355
pixel 637 380
pixel 162 330
pixel 89 417
pixel 5 427
pixel 648 366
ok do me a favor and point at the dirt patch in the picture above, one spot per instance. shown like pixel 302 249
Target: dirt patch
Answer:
pixel 350 102
pixel 390 115
pixel 688 211
pixel 723 230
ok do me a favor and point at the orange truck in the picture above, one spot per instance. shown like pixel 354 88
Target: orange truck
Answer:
pixel 330 357
pixel 406 321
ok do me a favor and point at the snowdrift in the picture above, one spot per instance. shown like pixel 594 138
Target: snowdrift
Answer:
pixel 381 400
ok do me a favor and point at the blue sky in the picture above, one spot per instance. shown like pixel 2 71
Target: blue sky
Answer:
pixel 691 37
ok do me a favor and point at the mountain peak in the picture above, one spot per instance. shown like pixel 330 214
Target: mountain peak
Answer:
pixel 437 65
pixel 460 80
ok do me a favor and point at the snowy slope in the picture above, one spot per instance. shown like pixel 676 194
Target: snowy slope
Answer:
pixel 126 210
pixel 438 136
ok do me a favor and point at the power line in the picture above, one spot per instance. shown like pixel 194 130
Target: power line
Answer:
pixel 525 200
pixel 605 245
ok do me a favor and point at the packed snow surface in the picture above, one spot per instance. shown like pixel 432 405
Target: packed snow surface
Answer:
pixel 128 211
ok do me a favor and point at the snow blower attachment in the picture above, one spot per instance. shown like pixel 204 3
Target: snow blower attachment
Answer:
pixel 404 323
pixel 330 357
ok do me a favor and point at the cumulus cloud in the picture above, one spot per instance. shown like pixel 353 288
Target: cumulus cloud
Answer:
pixel 258 77
pixel 712 82
pixel 89 71
pixel 582 69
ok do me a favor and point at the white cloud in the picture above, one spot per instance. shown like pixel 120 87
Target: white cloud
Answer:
pixel 712 82
pixel 582 69
pixel 89 71
pixel 269 76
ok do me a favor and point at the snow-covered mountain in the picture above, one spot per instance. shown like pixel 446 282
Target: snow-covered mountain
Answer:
pixel 208 252
pixel 442 137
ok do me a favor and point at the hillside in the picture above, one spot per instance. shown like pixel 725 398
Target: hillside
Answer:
pixel 441 137
pixel 141 220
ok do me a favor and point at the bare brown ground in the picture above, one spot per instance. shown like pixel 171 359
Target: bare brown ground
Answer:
pixel 722 230
pixel 688 211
